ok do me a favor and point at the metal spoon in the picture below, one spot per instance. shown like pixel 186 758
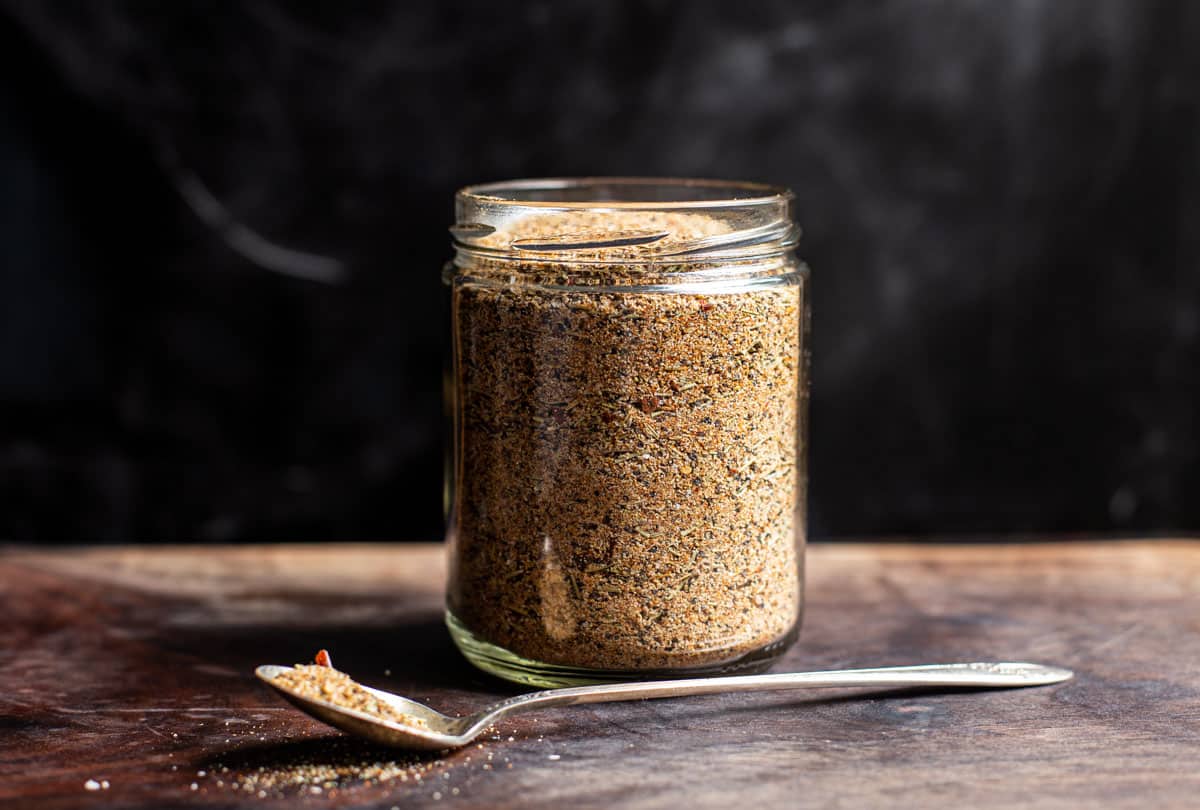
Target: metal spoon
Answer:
pixel 441 732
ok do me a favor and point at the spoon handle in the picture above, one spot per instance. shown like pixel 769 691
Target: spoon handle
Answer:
pixel 982 675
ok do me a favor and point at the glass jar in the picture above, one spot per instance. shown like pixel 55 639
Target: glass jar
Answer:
pixel 629 404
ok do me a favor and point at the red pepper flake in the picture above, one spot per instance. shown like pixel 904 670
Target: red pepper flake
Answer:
pixel 322 659
pixel 706 305
pixel 649 404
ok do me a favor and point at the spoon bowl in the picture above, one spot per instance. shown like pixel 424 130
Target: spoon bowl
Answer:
pixel 435 731
pixel 438 733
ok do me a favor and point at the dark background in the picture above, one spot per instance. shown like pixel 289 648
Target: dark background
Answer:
pixel 221 229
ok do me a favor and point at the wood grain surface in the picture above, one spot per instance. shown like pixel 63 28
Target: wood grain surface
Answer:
pixel 132 666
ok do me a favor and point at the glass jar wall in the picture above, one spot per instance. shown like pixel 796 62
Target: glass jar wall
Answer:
pixel 629 400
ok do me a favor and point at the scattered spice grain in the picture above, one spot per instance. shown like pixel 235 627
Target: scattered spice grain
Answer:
pixel 337 765
pixel 326 765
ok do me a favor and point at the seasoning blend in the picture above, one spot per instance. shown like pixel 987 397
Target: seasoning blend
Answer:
pixel 629 403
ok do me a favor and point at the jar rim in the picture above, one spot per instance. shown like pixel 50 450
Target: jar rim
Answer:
pixel 618 221
pixel 627 192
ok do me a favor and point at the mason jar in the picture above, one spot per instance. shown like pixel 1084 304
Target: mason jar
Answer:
pixel 629 404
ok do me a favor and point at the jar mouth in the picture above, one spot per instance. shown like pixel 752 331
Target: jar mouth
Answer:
pixel 638 193
pixel 625 220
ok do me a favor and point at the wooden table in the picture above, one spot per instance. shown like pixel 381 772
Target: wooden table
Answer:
pixel 131 667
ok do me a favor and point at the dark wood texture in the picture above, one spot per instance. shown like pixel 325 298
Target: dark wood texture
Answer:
pixel 133 666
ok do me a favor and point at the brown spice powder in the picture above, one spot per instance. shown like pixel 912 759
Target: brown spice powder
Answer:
pixel 328 766
pixel 626 462
pixel 326 683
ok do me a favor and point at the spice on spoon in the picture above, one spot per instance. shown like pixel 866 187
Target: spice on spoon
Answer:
pixel 321 681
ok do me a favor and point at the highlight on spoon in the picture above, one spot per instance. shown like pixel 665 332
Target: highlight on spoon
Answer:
pixel 1033 674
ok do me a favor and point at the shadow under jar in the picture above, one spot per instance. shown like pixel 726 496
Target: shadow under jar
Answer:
pixel 629 406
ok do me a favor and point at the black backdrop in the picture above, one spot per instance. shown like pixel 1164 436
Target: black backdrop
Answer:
pixel 222 226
